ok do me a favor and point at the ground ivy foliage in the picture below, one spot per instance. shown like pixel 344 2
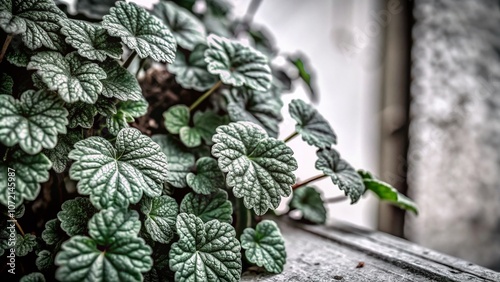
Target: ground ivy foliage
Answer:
pixel 208 207
pixel 161 213
pixel 309 202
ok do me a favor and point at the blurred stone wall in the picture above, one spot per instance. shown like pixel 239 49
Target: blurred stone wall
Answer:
pixel 454 157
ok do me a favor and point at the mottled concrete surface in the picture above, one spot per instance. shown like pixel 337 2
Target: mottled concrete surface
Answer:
pixel 454 159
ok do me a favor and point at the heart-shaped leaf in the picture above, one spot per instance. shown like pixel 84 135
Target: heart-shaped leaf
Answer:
pixel 237 64
pixel 126 111
pixel 6 84
pixel 161 213
pixel 208 207
pixel 180 161
pixel 25 244
pixel 262 108
pixel 33 277
pixel 192 73
pixel 117 176
pixel 119 82
pixel 265 246
pixel 205 252
pixel 141 32
pixel 308 201
pixel 33 121
pixel 91 40
pixel 341 172
pixel 75 215
pixel 259 168
pixel 208 177
pixel 53 234
pixel 176 117
pixel 311 125
pixel 186 28
pixel 36 21
pixel 44 260
pixel 74 78
pixel 113 252
pixel 387 193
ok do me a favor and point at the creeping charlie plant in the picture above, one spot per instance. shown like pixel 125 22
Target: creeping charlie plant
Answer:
pixel 165 179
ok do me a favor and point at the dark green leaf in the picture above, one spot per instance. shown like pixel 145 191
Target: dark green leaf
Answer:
pixel 108 225
pixel 161 213
pixel 25 244
pixel 119 82
pixel 44 260
pixel 59 155
pixel 6 84
pixel 81 114
pixel 53 234
pixel 126 111
pixel 208 177
pixel 33 277
pixel 208 207
pixel 308 201
pixel 75 215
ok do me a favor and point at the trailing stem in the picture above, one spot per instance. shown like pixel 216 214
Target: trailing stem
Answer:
pixel 291 136
pixel 309 180
pixel 205 95
pixel 336 199
pixel 244 217
pixel 5 46
pixel 18 226
pixel 129 59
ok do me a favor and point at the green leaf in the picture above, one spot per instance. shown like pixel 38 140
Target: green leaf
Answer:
pixel 91 40
pixel 113 252
pixel 33 121
pixel 81 114
pixel 341 172
pixel 25 244
pixel 160 271
pixel 74 78
pixel 44 260
pixel 53 234
pixel 237 64
pixel 19 55
pixel 141 32
pixel 33 277
pixel 176 117
pixel 205 252
pixel 192 73
pixel 205 124
pixel 75 215
pixel 308 201
pixel 119 82
pixel 30 171
pixel 387 193
pixel 264 246
pixel 117 176
pixel 186 28
pixel 311 125
pixel 161 213
pixel 105 106
pixel 36 21
pixel 259 168
pixel 59 155
pixel 305 73
pixel 6 84
pixel 190 137
pixel 208 177
pixel 126 111
pixel 262 108
pixel 208 207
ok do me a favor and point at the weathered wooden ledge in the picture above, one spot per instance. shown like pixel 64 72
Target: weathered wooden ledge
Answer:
pixel 344 253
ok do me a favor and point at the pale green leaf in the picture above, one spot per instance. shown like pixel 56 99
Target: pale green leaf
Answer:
pixel 192 73
pixel 264 246
pixel 205 124
pixel 117 176
pixel 126 111
pixel 74 78
pixel 110 224
pixel 205 252
pixel 36 21
pixel 141 32
pixel 33 121
pixel 190 137
pixel 187 29
pixel 259 168
pixel 341 172
pixel 33 277
pixel 75 215
pixel 237 65
pixel 176 117
pixel 208 207
pixel 180 161
pixel 161 213
pixel 6 84
pixel 311 125
pixel 308 201
pixel 91 40
pixel 119 82
pixel 30 171
pixel 208 177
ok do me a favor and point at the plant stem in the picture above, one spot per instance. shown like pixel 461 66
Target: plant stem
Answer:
pixel 129 59
pixel 250 13
pixel 5 46
pixel 6 153
pixel 18 226
pixel 243 217
pixel 205 95
pixel 336 199
pixel 291 136
pixel 141 65
pixel 309 180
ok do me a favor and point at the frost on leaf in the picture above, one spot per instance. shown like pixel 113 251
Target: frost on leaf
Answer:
pixel 311 125
pixel 31 170
pixel 265 246
pixel 259 168
pixel 74 78
pixel 75 215
pixel 33 121
pixel 191 72
pixel 237 65
pixel 205 251
pixel 141 32
pixel 126 111
pixel 308 201
pixel 262 108
pixel 341 172
pixel 187 29
pixel 113 252
pixel 119 82
pixel 161 213
pixel 117 176
pixel 180 160
pixel 208 207
pixel 208 177
pixel 36 21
